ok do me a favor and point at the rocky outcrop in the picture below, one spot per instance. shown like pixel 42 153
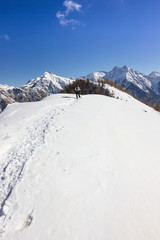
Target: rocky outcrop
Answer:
pixel 9 95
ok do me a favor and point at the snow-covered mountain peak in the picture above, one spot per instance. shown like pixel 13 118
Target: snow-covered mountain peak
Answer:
pixel 48 75
pixel 138 83
pixel 95 76
pixel 154 74
pixel 128 76
pixel 49 83
pixel 122 69
pixel 115 68
pixel 118 73
pixel 5 87
pixel 126 68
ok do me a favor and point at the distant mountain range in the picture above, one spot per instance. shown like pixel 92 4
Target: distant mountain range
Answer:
pixel 140 85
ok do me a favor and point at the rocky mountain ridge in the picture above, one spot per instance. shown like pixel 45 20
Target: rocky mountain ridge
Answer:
pixel 128 75
pixel 35 90
pixel 140 85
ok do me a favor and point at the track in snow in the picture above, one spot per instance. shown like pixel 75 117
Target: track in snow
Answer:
pixel 91 175
pixel 12 166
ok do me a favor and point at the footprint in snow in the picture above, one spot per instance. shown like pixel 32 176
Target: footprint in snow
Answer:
pixel 25 223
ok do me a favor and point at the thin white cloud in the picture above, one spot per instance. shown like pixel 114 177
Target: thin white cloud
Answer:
pixel 4 37
pixel 71 6
pixel 60 15
pixel 63 21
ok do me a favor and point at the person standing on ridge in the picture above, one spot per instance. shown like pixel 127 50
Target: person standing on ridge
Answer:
pixel 77 90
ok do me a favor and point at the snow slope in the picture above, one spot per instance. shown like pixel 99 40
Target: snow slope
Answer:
pixel 80 169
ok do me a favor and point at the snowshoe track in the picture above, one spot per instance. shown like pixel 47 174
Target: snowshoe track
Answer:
pixel 13 165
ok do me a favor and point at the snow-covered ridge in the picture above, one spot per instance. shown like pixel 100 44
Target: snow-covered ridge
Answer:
pixel 95 76
pixel 80 169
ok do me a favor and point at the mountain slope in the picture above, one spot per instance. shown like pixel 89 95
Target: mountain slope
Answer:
pixel 49 83
pixel 35 90
pixel 119 75
pixel 155 76
pixel 10 95
pixel 139 84
pixel 90 169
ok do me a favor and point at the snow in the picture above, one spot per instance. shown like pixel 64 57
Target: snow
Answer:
pixel 5 87
pixel 80 169
pixel 95 76
pixel 154 78
pixel 49 82
pixel 137 78
pixel 154 75
pixel 121 74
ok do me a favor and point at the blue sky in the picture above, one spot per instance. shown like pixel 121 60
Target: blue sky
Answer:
pixel 72 38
